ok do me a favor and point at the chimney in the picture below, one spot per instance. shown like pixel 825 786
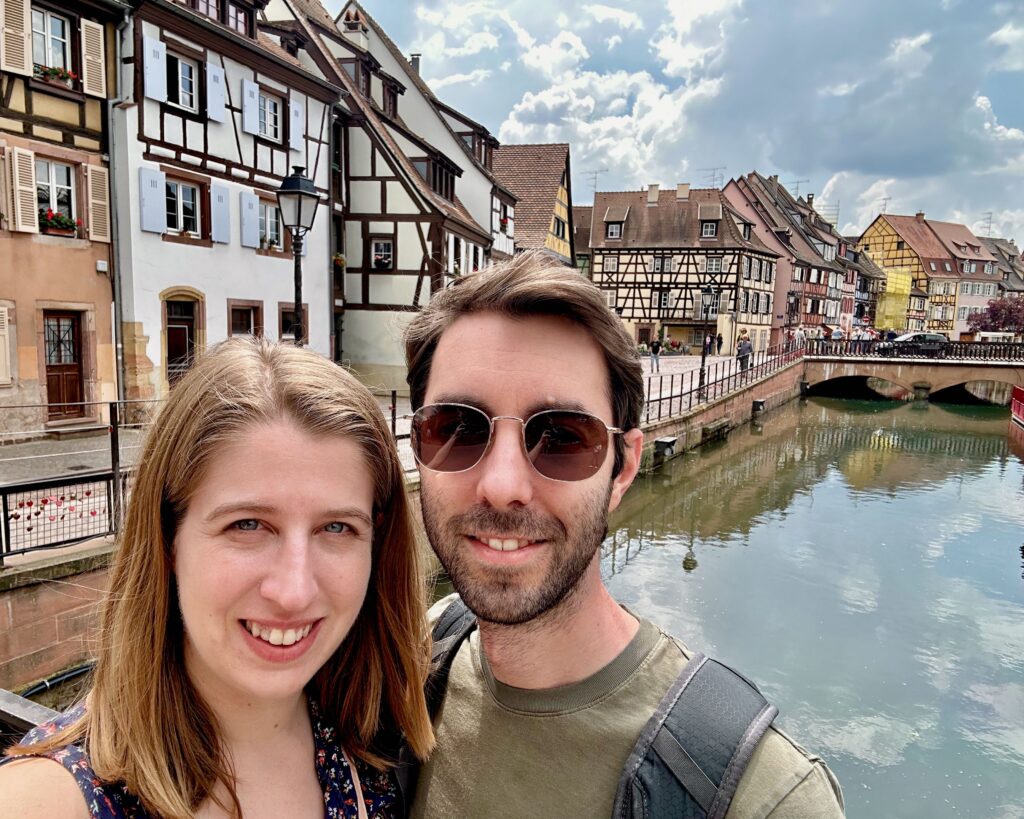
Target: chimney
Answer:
pixel 919 216
pixel 415 60
pixel 682 191
pixel 810 200
pixel 652 196
pixel 774 187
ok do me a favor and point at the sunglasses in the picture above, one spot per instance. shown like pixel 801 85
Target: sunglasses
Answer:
pixel 563 445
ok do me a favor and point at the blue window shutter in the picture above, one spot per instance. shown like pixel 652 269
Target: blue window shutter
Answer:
pixel 215 93
pixel 297 125
pixel 250 218
pixel 220 214
pixel 250 107
pixel 152 200
pixel 154 69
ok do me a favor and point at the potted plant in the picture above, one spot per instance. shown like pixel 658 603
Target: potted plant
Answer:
pixel 271 244
pixel 338 260
pixel 58 224
pixel 56 75
pixel 504 224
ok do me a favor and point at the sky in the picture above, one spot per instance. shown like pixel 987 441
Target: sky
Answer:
pixel 904 105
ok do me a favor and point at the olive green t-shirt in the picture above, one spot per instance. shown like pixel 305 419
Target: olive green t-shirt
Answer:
pixel 512 752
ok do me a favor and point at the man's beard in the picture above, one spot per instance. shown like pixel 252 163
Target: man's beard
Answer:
pixel 496 594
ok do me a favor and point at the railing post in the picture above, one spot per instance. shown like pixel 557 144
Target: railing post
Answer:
pixel 394 414
pixel 5 525
pixel 115 465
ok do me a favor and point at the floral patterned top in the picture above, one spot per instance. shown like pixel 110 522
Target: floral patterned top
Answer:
pixel 112 801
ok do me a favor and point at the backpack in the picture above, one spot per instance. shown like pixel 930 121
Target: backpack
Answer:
pixel 691 754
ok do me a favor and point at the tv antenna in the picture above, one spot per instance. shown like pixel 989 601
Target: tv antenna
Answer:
pixel 988 223
pixel 714 177
pixel 796 183
pixel 593 177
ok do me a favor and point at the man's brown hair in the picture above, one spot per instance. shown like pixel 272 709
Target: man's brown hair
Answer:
pixel 532 284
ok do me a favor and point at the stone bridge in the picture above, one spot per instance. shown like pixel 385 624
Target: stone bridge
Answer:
pixel 921 377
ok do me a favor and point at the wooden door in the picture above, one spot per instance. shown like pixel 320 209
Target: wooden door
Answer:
pixel 181 338
pixel 62 338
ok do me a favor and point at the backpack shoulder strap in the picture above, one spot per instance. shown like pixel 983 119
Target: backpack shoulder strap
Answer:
pixel 450 630
pixel 693 751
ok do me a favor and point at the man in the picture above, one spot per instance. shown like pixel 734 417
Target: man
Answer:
pixel 719 341
pixel 655 352
pixel 743 352
pixel 547 697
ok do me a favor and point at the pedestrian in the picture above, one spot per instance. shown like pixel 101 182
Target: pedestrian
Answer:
pixel 719 340
pixel 708 340
pixel 743 352
pixel 801 337
pixel 655 354
pixel 545 685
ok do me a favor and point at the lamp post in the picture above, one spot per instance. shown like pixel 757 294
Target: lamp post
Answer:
pixel 297 200
pixel 790 305
pixel 706 296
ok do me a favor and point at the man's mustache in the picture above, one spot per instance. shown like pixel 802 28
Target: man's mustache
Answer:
pixel 524 524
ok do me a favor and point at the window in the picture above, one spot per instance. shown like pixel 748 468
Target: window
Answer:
pixel 766 302
pixel 961 314
pixel 270 226
pixel 769 271
pixel 238 19
pixel 933 266
pixel 610 298
pixel 610 264
pixel 965 289
pixel 182 76
pixel 746 267
pixel 270 116
pixel 757 270
pixel 755 302
pixel 745 302
pixel 245 318
pixel 55 187
pixel 182 208
pixel 288 323
pixel 746 231
pixel 665 299
pixel 948 268
pixel 391 103
pixel 560 230
pixel 900 244
pixel 661 264
pixel 383 251
pixel 210 8
pixel 714 264
pixel 613 230
pixel 51 37
pixel 708 230
pixel 976 289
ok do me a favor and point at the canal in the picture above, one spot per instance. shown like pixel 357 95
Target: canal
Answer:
pixel 862 561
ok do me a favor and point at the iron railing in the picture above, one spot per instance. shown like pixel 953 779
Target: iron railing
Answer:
pixel 949 350
pixel 679 393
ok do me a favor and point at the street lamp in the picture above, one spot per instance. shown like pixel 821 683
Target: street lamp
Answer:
pixel 297 200
pixel 790 310
pixel 707 295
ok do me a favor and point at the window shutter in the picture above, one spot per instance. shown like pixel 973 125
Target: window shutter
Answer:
pixel 94 73
pixel 250 107
pixel 297 125
pixel 23 190
pixel 154 69
pixel 97 180
pixel 5 348
pixel 250 218
pixel 216 96
pixel 16 37
pixel 152 200
pixel 220 214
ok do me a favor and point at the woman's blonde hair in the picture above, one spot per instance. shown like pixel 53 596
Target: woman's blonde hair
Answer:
pixel 145 724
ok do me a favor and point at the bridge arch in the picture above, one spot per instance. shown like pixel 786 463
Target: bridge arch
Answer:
pixel 924 377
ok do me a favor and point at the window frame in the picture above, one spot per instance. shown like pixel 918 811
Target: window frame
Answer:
pixel 614 260
pixel 72 184
pixel 707 224
pixel 263 100
pixel 69 30
pixel 266 208
pixel 375 242
pixel 560 228
pixel 613 230
pixel 179 230
pixel 256 312
pixel 718 262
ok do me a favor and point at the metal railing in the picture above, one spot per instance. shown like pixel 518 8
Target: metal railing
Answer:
pixel 949 350
pixel 679 393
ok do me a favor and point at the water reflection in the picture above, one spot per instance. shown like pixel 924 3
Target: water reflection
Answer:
pixel 863 562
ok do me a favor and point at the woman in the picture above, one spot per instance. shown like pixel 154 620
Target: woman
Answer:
pixel 265 615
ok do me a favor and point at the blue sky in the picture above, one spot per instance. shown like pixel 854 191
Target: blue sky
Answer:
pixel 915 100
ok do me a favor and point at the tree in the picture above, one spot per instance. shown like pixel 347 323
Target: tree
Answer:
pixel 1001 315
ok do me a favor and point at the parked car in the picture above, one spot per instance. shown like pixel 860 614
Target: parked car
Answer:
pixel 930 345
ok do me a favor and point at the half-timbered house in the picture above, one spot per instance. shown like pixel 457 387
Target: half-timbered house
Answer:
pixel 540 177
pixel 1010 265
pixel 869 281
pixel 906 243
pixel 215 115
pixel 422 205
pixel 57 68
pixel 655 251
pixel 978 271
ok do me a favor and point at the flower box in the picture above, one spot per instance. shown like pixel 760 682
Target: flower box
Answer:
pixel 52 230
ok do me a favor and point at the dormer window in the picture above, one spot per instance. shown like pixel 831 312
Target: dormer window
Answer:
pixel 708 230
pixel 613 230
pixel 240 19
pixel 390 101
pixel 746 231
pixel 235 15
pixel 439 174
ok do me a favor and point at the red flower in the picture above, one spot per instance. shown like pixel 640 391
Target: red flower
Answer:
pixel 78 222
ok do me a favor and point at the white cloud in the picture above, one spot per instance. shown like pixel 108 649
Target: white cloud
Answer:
pixel 472 78
pixel 562 55
pixel 908 54
pixel 613 41
pixel 992 126
pixel 474 44
pixel 1011 38
pixel 623 19
pixel 693 36
pixel 842 89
